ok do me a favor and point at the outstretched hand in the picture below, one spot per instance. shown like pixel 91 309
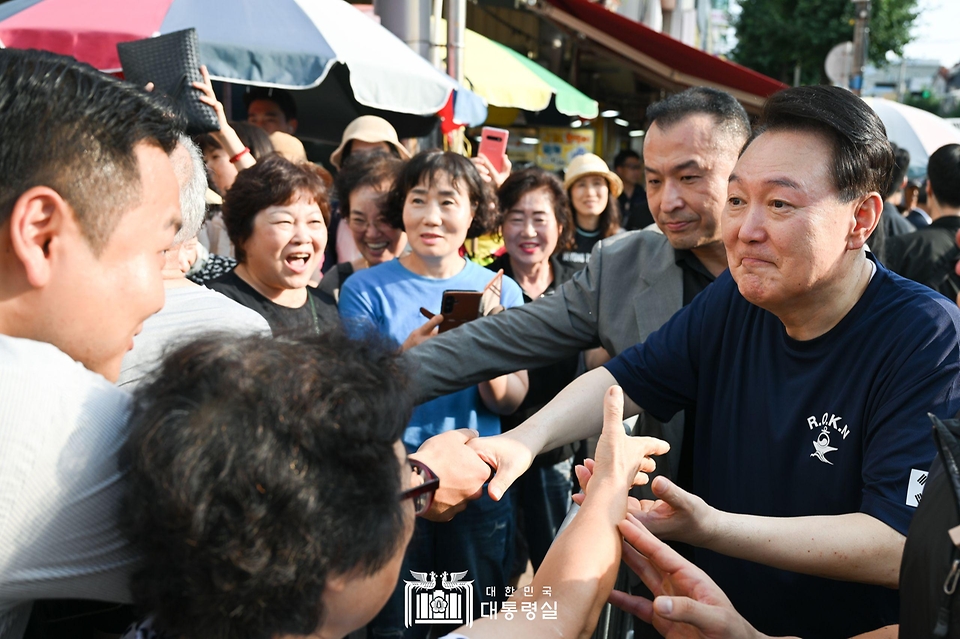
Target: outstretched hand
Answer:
pixel 676 514
pixel 508 455
pixel 461 471
pixel 687 603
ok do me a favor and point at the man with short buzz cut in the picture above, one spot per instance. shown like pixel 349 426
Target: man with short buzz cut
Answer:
pixel 634 210
pixel 929 255
pixel 812 369
pixel 633 282
pixel 88 205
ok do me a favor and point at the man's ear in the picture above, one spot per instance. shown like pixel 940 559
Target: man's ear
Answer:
pixel 292 126
pixel 336 582
pixel 37 219
pixel 866 217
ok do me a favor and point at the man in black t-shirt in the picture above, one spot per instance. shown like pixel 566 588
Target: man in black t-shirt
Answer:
pixel 811 368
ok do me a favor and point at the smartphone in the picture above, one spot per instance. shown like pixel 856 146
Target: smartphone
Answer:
pixel 459 307
pixel 493 144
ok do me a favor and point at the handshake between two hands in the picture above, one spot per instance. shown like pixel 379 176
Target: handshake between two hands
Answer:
pixel 465 462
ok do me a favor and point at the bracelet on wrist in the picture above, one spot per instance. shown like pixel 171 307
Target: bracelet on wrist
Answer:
pixel 239 155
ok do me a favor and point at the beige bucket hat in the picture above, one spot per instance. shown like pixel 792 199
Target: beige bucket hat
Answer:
pixel 590 164
pixel 369 128
pixel 288 146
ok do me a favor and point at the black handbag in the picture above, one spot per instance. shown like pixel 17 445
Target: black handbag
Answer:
pixel 172 62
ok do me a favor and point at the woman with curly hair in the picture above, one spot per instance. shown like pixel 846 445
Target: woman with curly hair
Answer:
pixel 439 199
pixel 276 214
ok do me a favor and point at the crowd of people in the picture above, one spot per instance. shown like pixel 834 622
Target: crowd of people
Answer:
pixel 228 398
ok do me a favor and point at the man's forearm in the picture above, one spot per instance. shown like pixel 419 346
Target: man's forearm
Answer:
pixel 543 332
pixel 574 414
pixel 853 547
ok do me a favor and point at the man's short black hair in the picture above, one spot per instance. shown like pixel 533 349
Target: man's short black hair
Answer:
pixel 901 162
pixel 257 469
pixel 281 97
pixel 71 128
pixel 943 171
pixel 730 116
pixel 624 155
pixel 862 157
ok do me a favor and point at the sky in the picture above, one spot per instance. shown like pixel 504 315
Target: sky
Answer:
pixel 935 32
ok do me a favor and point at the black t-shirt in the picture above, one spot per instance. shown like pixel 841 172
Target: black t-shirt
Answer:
pixel 784 429
pixel 580 254
pixel 319 316
pixel 696 277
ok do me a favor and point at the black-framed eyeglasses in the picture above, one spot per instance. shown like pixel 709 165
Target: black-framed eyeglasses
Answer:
pixel 422 494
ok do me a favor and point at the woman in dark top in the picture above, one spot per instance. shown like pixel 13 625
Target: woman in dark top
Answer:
pixel 276 216
pixel 593 190
pixel 536 225
pixel 362 185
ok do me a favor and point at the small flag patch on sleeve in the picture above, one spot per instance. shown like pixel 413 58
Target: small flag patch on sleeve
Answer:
pixel 918 479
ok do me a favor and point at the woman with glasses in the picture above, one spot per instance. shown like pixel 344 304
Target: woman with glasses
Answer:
pixel 363 184
pixel 439 199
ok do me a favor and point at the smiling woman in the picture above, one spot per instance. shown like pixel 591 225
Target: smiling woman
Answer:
pixel 276 216
pixel 440 200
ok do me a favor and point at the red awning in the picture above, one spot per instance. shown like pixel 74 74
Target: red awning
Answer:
pixel 657 58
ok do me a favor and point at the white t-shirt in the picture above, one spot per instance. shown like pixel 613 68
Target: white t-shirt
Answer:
pixel 188 312
pixel 61 427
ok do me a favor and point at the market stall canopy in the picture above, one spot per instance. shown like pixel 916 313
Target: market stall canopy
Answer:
pixel 504 78
pixel 657 58
pixel 919 132
pixel 292 44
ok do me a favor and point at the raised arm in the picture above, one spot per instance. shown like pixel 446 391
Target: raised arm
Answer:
pixel 582 563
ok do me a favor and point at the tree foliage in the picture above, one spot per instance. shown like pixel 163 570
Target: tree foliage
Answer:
pixel 775 35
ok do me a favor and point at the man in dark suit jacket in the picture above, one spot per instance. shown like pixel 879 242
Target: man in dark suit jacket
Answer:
pixel 929 255
pixel 634 282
